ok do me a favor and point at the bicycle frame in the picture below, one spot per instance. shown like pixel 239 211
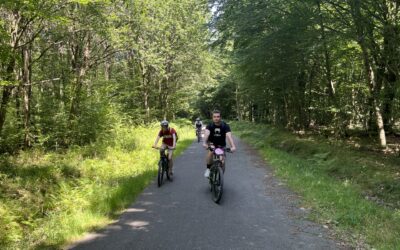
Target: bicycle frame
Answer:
pixel 218 160
pixel 163 166
pixel 216 173
pixel 163 158
pixel 219 155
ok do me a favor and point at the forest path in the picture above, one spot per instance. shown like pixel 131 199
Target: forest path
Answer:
pixel 256 211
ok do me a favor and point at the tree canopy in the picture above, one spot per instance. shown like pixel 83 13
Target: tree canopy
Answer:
pixel 313 63
pixel 70 69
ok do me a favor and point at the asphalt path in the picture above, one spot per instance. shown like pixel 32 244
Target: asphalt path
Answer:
pixel 256 211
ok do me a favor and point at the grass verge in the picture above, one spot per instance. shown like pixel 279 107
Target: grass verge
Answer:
pixel 356 193
pixel 48 199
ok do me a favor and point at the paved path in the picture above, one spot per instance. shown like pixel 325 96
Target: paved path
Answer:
pixel 255 212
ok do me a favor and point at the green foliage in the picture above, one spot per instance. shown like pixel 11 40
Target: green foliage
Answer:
pixel 95 61
pixel 11 231
pixel 311 64
pixel 75 77
pixel 355 192
pixel 13 132
pixel 48 199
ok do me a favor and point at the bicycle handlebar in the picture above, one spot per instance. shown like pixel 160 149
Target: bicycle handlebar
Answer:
pixel 227 150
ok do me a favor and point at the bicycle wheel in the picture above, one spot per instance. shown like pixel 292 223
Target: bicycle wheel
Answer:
pixel 218 184
pixel 198 137
pixel 166 169
pixel 211 179
pixel 160 174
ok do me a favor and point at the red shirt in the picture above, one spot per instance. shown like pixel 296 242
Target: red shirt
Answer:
pixel 167 136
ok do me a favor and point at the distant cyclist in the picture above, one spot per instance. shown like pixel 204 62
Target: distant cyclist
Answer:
pixel 199 125
pixel 216 133
pixel 169 141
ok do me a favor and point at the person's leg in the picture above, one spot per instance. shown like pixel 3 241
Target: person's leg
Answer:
pixel 209 163
pixel 223 163
pixel 209 158
pixel 170 161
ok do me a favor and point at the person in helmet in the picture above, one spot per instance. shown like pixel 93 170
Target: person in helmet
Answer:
pixel 199 125
pixel 169 141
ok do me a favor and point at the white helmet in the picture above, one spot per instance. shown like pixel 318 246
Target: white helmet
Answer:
pixel 164 123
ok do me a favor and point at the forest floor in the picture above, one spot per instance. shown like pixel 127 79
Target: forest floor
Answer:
pixel 354 189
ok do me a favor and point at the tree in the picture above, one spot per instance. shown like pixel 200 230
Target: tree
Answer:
pixel 314 64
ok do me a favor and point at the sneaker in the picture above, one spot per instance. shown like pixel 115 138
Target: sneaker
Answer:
pixel 207 173
pixel 171 176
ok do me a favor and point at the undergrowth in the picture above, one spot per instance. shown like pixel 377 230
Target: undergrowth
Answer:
pixel 355 192
pixel 50 198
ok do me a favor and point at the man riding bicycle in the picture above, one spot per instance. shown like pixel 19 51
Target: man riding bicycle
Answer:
pixel 169 142
pixel 199 125
pixel 216 134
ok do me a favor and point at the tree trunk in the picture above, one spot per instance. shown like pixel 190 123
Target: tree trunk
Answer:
pixel 27 93
pixel 391 59
pixel 146 98
pixel 327 56
pixel 238 111
pixel 76 95
pixel 3 107
pixel 82 66
pixel 374 80
pixel 17 102
pixel 379 122
pixel 10 69
pixel 107 69
pixel 166 107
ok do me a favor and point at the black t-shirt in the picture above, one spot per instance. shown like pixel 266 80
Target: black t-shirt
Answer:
pixel 218 133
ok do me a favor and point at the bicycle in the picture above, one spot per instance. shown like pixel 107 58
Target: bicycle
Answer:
pixel 163 167
pixel 217 170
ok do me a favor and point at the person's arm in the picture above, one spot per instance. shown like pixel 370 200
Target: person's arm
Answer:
pixel 230 140
pixel 174 141
pixel 156 142
pixel 206 135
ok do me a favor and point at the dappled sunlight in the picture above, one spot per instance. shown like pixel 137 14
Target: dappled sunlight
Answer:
pixel 135 210
pixel 138 225
pixel 146 203
pixel 92 237
pixel 78 190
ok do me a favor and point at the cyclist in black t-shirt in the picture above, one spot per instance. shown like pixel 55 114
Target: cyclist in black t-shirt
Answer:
pixel 216 133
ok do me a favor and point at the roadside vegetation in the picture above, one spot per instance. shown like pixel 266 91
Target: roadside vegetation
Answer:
pixel 82 84
pixel 50 198
pixel 356 192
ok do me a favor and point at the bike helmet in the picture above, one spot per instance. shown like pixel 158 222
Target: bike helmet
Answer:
pixel 164 123
pixel 197 119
